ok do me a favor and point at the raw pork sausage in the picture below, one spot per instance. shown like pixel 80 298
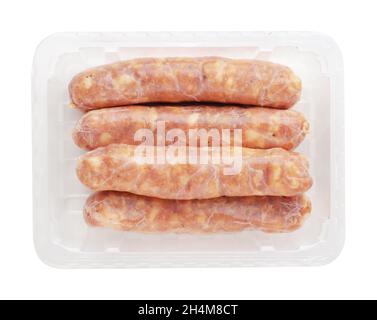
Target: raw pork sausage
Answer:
pixel 129 212
pixel 117 167
pixel 215 79
pixel 262 128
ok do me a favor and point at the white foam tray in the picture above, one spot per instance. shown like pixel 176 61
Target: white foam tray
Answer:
pixel 62 239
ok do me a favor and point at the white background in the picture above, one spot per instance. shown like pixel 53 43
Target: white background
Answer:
pixel 353 25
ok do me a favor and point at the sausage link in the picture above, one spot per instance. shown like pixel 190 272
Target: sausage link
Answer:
pixel 129 212
pixel 214 79
pixel 117 167
pixel 262 128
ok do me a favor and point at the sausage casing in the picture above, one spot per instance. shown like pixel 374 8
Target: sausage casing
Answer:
pixel 129 212
pixel 262 128
pixel 275 172
pixel 215 79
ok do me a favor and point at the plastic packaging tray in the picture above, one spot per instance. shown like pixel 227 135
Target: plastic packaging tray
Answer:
pixel 62 239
